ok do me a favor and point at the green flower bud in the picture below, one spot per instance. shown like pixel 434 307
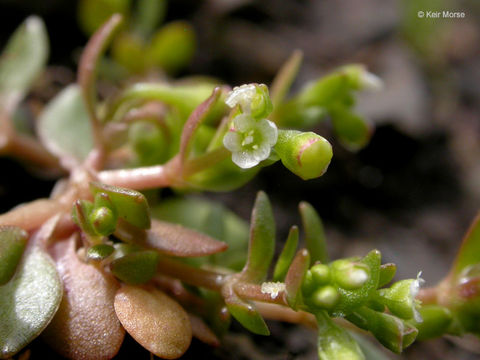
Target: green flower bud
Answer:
pixel 306 154
pixel 325 297
pixel 400 298
pixel 308 285
pixel 320 274
pixel 350 275
pixel 103 221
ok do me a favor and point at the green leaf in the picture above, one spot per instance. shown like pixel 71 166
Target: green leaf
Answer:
pixel 469 253
pixel 285 77
pixel 394 333
pixel 93 13
pixel 245 313
pixel 262 240
pixel 436 322
pixel 12 243
pixel 287 255
pixel 64 127
pixel 334 342
pixel 148 14
pixel 81 215
pixel 172 47
pixel 100 252
pixel 352 130
pixel 314 233
pixel 295 276
pixel 130 205
pixel 22 60
pixel 28 302
pixel 135 268
pixel 387 273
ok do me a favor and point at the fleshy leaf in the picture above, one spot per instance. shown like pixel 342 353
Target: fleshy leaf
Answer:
pixel 154 320
pixel 245 313
pixel 387 272
pixel 314 233
pixel 202 332
pixel 22 61
pixel 353 131
pixel 64 127
pixel 100 252
pixel 262 240
pixel 294 279
pixel 93 13
pixel 436 321
pixel 148 14
pixel 469 253
pixel 136 267
pixel 287 255
pixel 12 243
pixel 85 326
pixel 28 301
pixel 285 77
pixel 170 239
pixel 394 333
pixel 130 205
pixel 335 342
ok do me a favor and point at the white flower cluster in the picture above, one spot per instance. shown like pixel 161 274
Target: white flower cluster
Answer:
pixel 249 139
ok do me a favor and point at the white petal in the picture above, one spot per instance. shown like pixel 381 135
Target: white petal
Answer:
pixel 261 153
pixel 269 131
pixel 244 159
pixel 242 95
pixel 232 141
pixel 244 123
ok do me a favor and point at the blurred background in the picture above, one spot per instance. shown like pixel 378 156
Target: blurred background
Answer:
pixel 411 192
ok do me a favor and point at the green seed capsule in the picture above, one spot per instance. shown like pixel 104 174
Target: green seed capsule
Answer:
pixel 103 221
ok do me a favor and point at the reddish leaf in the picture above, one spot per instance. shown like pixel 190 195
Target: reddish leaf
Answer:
pixel 202 332
pixel 154 320
pixel 170 239
pixel 295 275
pixel 85 326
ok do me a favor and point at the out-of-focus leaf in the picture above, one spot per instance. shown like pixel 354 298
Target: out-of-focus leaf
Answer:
pixel 387 272
pixel 285 77
pixel 22 61
pixel 436 321
pixel 81 215
pixel 64 127
pixel 127 50
pixel 85 326
pixel 28 301
pixel 352 130
pixel 100 252
pixel 335 342
pixel 12 243
pixel 314 234
pixel 287 255
pixel 294 279
pixel 130 205
pixel 135 268
pixel 261 246
pixel 370 351
pixel 245 313
pixel 171 239
pixel 93 13
pixel 469 253
pixel 148 14
pixel 213 220
pixel 172 46
pixel 202 332
pixel 154 320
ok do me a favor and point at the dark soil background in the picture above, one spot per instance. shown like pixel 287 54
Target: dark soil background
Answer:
pixel 411 193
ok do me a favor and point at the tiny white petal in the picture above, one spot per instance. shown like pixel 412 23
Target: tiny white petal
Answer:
pixel 241 95
pixel 414 289
pixel 244 159
pixel 269 131
pixel 272 288
pixel 232 141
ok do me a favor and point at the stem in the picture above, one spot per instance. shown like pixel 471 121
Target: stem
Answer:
pixel 28 148
pixel 282 313
pixel 32 215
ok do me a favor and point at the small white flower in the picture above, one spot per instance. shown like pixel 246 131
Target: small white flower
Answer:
pixel 272 288
pixel 250 140
pixel 243 96
pixel 414 289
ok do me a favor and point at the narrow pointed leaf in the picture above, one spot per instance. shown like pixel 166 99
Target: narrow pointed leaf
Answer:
pixel 22 61
pixel 130 205
pixel 294 279
pixel 64 126
pixel 394 333
pixel 28 301
pixel 262 240
pixel 171 239
pixel 287 255
pixel 135 268
pixel 202 332
pixel 387 273
pixel 245 313
pixel 285 77
pixel 335 342
pixel 469 253
pixel 12 243
pixel 314 233
pixel 154 320
pixel 85 326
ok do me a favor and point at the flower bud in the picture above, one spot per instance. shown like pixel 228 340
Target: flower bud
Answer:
pixel 253 100
pixel 320 274
pixel 349 275
pixel 325 297
pixel 103 221
pixel 306 154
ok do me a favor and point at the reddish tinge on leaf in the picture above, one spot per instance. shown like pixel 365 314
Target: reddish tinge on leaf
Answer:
pixel 154 320
pixel 202 332
pixel 295 275
pixel 85 326
pixel 170 239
